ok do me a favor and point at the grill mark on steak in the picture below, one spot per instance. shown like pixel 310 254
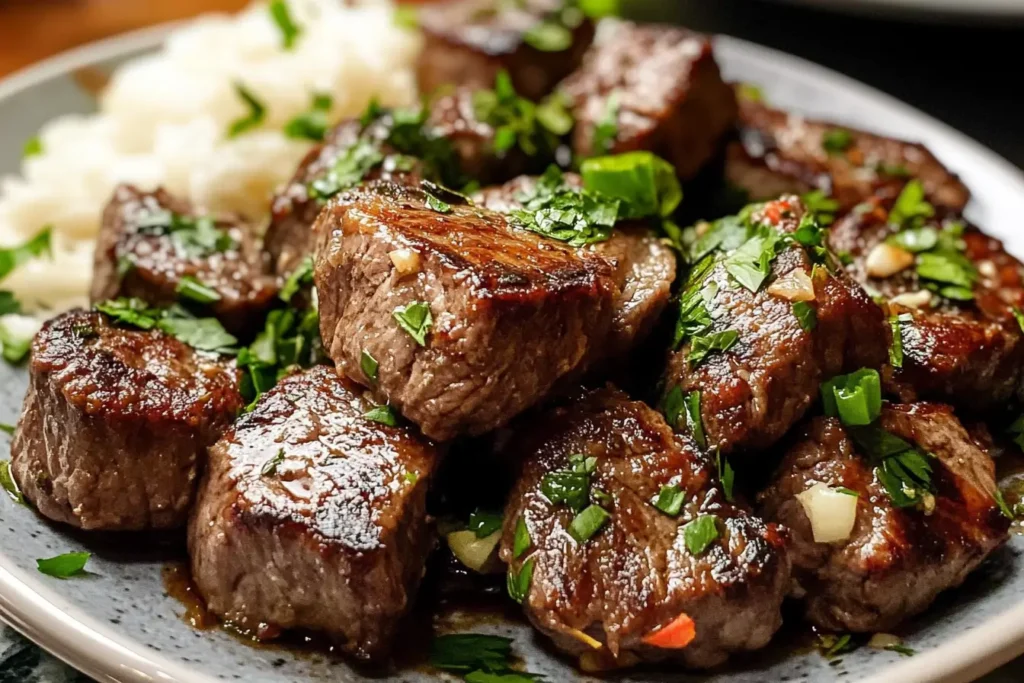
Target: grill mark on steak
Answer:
pixel 513 312
pixel 115 423
pixel 754 392
pixel 645 267
pixel 896 561
pixel 971 353
pixel 636 575
pixel 334 536
pixel 780 153
pixel 159 264
pixel 467 42
pixel 671 97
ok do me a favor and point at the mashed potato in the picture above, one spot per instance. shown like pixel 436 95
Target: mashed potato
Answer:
pixel 163 120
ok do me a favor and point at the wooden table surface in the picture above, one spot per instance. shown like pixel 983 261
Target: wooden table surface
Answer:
pixel 31 30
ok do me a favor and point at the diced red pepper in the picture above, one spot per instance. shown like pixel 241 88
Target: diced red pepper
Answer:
pixel 675 635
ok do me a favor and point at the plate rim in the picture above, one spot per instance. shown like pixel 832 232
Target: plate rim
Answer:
pixel 111 656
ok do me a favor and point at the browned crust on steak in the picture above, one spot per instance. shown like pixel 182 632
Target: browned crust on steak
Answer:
pixel 467 42
pixel 781 152
pixel 636 574
pixel 115 423
pixel 158 266
pixel 671 97
pixel 513 311
pixel 335 537
pixel 970 354
pixel 896 561
pixel 754 392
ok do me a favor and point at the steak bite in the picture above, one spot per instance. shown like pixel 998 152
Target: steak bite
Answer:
pixel 951 293
pixel 115 423
pixel 311 516
pixel 655 88
pixel 895 560
pixel 765 316
pixel 468 319
pixel 469 41
pixel 668 550
pixel 779 153
pixel 159 248
pixel 645 267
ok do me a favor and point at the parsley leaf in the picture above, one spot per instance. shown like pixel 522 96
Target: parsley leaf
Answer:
pixel 553 209
pixel 301 277
pixel 521 542
pixel 535 128
pixel 518 583
pixel 468 651
pixel 484 523
pixel 369 365
pixel 704 345
pixel 673 406
pixel 670 500
pixel 282 17
pixel 750 264
pixel 189 287
pixel 699 534
pixel 565 487
pixel 415 319
pixel 311 124
pixel 13 257
pixel 805 315
pixel 383 414
pixel 607 129
pixel 348 170
pixel 645 184
pixel 203 334
pixel 725 474
pixel 588 522
pixel 257 112
pixel 64 566
pixel 8 482
pixel 911 205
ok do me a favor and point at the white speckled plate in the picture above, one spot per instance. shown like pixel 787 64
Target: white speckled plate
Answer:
pixel 118 625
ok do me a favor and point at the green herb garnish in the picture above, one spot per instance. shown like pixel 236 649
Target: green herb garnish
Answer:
pixel 704 345
pixel 673 406
pixel 202 334
pixel 311 124
pixel 548 36
pixel 521 542
pixel 33 147
pixel 368 364
pixel 301 277
pixel 588 522
pixel 699 534
pixel 896 323
pixel 269 468
pixel 193 236
pixel 535 128
pixel 257 112
pixel 282 17
pixel 670 500
pixel 483 523
pixel 383 414
pixel 856 399
pixel 64 566
pixel 468 651
pixel 13 257
pixel 805 315
pixel 348 170
pixel 435 204
pixel 518 583
pixel 192 289
pixel 415 319
pixel 836 140
pixel 553 209
pixel 8 482
pixel 725 474
pixel 646 185
pixel 606 131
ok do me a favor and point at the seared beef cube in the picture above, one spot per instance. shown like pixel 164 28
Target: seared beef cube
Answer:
pixel 355 148
pixel 779 153
pixel 312 516
pixel 645 267
pixel 116 422
pixel 157 247
pixel 895 560
pixel 469 320
pixel 651 87
pixel 957 342
pixel 453 143
pixel 672 547
pixel 469 41
pixel 756 349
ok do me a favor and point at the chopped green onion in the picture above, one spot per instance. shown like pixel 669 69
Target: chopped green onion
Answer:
pixel 521 542
pixel 856 399
pixel 191 288
pixel 435 204
pixel 282 17
pixel 257 112
pixel 518 583
pixel 64 566
pixel 13 257
pixel 382 414
pixel 484 523
pixel 896 348
pixel 368 364
pixel 645 184
pixel 699 534
pixel 836 140
pixel 915 239
pixel 670 500
pixel 911 205
pixel 588 522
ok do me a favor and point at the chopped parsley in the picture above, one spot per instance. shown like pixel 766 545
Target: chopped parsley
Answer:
pixel 553 209
pixel 518 582
pixel 702 346
pixel 534 128
pixel 257 112
pixel 836 140
pixel 750 264
pixel 16 256
pixel 7 429
pixel 311 124
pixel 725 474
pixel 415 319
pixel 290 339
pixel 33 147
pixel 282 16
pixel 193 236
pixel 693 418
pixel 821 206
pixel 700 533
pixel 915 239
pixel 15 345
pixel 483 523
pixel 607 129
pixel 64 566
pixel 588 522
pixel 348 170
pixel 911 205
pixel 670 500
pixel 570 487
pixel 299 278
pixel 673 405
pixel 202 334
pixel 831 645
pixel 382 414
pixel 368 364
pixel 8 304
pixel 645 185
pixel 438 205
pixel 521 541
pixel 548 36
pixel 269 468
pixel 805 315
pixel 465 652
pixel 8 482
pixel 896 323
pixel 189 287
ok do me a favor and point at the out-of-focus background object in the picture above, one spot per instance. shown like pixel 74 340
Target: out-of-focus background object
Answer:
pixel 935 9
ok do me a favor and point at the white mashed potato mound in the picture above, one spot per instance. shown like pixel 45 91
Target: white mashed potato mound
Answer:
pixel 163 120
